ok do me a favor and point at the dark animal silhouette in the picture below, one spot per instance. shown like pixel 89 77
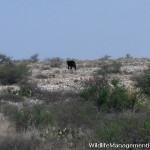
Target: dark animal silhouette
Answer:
pixel 71 64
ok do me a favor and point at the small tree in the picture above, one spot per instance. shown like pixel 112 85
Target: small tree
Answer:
pixel 106 57
pixel 128 56
pixel 4 59
pixel 34 58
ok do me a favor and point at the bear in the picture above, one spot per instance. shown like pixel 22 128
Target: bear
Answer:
pixel 71 64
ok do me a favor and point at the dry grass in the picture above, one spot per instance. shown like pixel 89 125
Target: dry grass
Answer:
pixel 74 121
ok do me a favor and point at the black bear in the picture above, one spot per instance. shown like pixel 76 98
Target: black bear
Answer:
pixel 71 64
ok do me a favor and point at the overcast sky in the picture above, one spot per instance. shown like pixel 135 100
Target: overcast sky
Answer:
pixel 80 29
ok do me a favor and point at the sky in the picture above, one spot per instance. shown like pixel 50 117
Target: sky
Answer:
pixel 79 29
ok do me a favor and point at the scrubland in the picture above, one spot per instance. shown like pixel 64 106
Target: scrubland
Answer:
pixel 45 106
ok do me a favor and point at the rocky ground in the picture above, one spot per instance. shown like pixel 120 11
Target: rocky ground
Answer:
pixel 63 79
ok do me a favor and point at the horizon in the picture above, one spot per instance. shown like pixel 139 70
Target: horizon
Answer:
pixel 77 29
pixel 76 59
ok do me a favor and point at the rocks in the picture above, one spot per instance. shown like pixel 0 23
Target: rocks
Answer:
pixel 63 79
pixel 12 88
pixel 35 101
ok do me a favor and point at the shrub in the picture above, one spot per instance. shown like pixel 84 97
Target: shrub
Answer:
pixel 124 128
pixel 106 57
pixel 13 73
pixel 29 117
pixel 115 82
pixel 41 76
pixel 8 109
pixel 69 120
pixel 113 98
pixel 4 59
pixel 7 96
pixel 106 68
pixel 28 89
pixel 34 58
pixel 56 62
pixel 19 142
pixel 96 81
pixel 74 113
pixel 128 56
pixel 143 81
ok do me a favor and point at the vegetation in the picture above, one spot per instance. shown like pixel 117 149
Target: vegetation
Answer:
pixel 9 96
pixel 103 110
pixel 19 142
pixel 143 81
pixel 4 59
pixel 128 56
pixel 74 114
pixel 28 89
pixel 113 98
pixel 107 68
pixel 12 73
pixel 124 128
pixel 106 57
pixel 30 117
pixel 34 58
pixel 56 62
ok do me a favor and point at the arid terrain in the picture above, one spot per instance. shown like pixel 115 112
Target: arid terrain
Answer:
pixel 64 79
pixel 64 86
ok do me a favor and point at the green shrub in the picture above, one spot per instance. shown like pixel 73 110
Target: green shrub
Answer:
pixel 115 82
pixel 56 62
pixel 28 117
pixel 143 81
pixel 12 73
pixel 113 98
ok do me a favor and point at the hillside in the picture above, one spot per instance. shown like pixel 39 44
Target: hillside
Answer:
pixel 67 121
